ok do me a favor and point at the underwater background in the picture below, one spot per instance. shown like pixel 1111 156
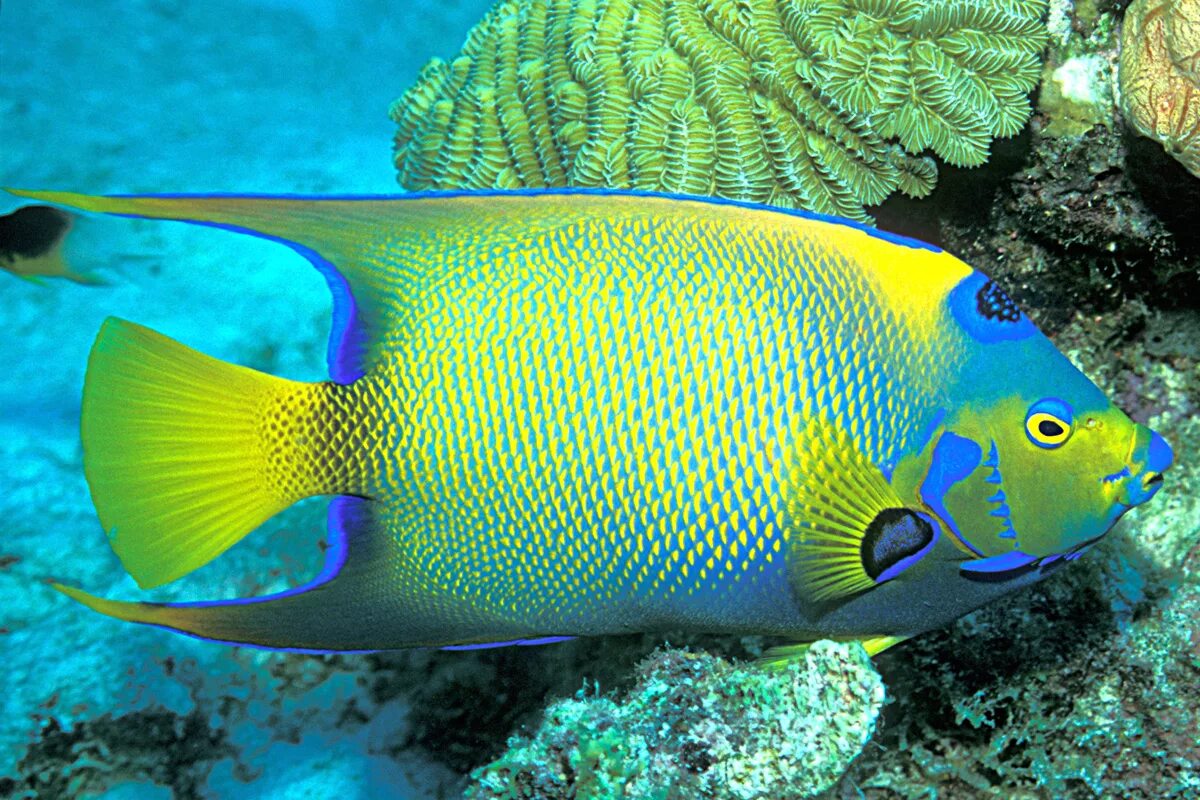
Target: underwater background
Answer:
pixel 1087 685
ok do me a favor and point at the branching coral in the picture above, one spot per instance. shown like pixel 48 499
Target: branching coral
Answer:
pixel 823 104
pixel 695 726
pixel 1160 75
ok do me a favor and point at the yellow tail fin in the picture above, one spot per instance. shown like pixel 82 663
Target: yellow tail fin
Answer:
pixel 174 456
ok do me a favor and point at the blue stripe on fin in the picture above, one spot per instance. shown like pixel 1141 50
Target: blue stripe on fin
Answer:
pixel 521 642
pixel 1005 562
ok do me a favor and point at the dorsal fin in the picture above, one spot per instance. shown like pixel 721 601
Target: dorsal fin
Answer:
pixel 379 254
pixel 341 237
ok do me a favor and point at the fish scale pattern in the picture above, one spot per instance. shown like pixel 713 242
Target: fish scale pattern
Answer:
pixel 308 446
pixel 593 424
pixel 828 105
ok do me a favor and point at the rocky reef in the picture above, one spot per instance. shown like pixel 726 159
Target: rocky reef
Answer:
pixel 694 725
pixel 829 106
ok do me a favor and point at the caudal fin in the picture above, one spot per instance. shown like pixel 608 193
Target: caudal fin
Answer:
pixel 173 450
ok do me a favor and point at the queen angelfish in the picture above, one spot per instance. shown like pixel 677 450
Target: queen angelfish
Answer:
pixel 575 413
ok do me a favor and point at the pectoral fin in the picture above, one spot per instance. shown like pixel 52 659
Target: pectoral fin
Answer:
pixel 852 531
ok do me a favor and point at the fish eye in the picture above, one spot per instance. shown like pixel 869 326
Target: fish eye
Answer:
pixel 1049 423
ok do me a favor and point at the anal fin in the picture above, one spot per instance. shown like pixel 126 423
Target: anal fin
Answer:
pixel 335 612
pixel 780 657
pixel 365 599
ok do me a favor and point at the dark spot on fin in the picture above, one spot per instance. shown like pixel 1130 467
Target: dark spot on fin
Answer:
pixel 833 504
pixel 895 540
pixel 31 240
pixel 32 231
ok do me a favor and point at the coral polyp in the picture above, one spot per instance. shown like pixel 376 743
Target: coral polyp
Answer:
pixel 829 106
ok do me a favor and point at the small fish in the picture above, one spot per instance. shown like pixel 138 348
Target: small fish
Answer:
pixel 31 245
pixel 557 414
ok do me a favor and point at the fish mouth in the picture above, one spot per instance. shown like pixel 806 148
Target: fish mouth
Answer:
pixel 1143 474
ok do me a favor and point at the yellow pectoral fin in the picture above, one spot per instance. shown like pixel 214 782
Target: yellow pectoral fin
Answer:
pixel 852 531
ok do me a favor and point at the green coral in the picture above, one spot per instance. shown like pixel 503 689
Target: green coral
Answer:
pixel 829 105
pixel 697 726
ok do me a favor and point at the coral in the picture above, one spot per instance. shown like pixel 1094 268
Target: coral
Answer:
pixel 1089 216
pixel 823 105
pixel 1160 75
pixel 154 746
pixel 697 726
pixel 1077 96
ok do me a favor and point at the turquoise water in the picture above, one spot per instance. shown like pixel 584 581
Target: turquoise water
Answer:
pixel 1084 687
pixel 181 96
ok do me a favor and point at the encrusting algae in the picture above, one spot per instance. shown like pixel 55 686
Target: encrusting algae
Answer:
pixel 696 726
pixel 828 106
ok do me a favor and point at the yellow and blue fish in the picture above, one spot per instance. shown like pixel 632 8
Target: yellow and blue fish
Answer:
pixel 568 413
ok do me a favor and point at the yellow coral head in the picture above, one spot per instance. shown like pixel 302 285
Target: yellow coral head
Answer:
pixel 1159 75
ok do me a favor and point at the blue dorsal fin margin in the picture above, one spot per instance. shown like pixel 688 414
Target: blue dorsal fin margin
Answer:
pixel 348 336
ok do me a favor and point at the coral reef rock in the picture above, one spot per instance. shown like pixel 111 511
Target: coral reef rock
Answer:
pixel 1160 75
pixel 829 106
pixel 696 726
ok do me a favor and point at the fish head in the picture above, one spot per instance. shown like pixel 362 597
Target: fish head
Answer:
pixel 1032 462
pixel 1052 476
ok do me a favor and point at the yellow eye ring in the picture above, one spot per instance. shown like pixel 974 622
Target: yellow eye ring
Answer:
pixel 1047 430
